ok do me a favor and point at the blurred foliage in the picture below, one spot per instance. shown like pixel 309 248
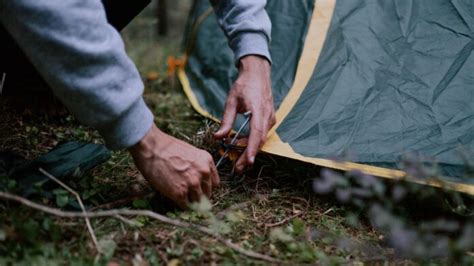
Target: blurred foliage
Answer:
pixel 420 222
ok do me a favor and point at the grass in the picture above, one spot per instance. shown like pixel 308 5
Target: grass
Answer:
pixel 270 209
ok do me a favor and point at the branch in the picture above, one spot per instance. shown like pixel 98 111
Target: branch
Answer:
pixel 113 213
pixel 88 222
pixel 284 221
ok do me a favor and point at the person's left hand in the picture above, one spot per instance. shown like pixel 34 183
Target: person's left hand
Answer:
pixel 251 92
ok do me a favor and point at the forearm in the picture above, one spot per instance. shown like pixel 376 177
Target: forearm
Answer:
pixel 83 59
pixel 246 25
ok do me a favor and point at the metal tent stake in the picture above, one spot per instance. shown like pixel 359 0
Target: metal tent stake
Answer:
pixel 247 114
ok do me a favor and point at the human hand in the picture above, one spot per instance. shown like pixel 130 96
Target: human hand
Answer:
pixel 251 92
pixel 178 170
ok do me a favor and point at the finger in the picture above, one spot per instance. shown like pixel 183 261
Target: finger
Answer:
pixel 230 112
pixel 273 119
pixel 266 128
pixel 270 122
pixel 206 186
pixel 255 140
pixel 195 193
pixel 241 163
pixel 215 176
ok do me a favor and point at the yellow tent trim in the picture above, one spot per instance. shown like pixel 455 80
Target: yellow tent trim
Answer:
pixel 315 38
pixel 183 79
pixel 277 147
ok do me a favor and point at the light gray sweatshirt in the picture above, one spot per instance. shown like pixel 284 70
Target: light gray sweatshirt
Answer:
pixel 82 57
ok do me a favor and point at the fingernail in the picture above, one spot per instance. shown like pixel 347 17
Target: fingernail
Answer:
pixel 252 159
pixel 238 168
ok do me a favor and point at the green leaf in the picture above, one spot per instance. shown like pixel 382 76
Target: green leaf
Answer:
pixel 196 253
pixel 298 226
pixel 60 191
pixel 176 252
pixel 88 193
pixel 62 200
pixel 77 172
pixel 11 184
pixel 47 224
pixel 107 247
pixel 141 221
pixel 3 235
pixel 204 206
pixel 235 217
pixel 219 226
pixel 151 257
pixel 140 203
pixel 277 234
pixel 30 230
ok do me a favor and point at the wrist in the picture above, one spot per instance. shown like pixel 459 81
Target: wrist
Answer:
pixel 251 61
pixel 148 143
pixel 250 43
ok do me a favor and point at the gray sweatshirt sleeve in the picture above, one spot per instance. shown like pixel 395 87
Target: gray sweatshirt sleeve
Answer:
pixel 246 25
pixel 83 59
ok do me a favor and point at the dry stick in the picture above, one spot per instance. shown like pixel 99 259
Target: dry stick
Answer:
pixel 127 221
pixel 88 222
pixel 285 220
pixel 150 214
pixel 292 216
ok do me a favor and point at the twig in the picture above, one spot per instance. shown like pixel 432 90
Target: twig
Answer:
pixel 284 220
pixel 88 222
pixel 118 163
pixel 147 213
pixel 127 221
pixel 327 211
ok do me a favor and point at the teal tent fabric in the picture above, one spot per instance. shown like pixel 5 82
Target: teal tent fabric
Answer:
pixel 66 160
pixel 394 78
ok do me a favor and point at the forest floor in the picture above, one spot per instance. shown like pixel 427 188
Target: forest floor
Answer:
pixel 270 209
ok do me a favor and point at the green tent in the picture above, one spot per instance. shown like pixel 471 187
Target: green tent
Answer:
pixel 363 80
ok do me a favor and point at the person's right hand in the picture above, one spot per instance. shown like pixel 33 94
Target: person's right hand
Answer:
pixel 178 170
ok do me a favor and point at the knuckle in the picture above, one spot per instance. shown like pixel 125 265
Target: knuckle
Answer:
pixel 258 130
pixel 239 84
pixel 194 182
pixel 232 95
pixel 273 120
pixel 206 171
pixel 208 157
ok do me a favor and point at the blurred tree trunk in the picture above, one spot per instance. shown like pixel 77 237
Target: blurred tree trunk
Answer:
pixel 162 17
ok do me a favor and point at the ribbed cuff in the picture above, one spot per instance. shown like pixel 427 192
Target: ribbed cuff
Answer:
pixel 130 128
pixel 250 43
